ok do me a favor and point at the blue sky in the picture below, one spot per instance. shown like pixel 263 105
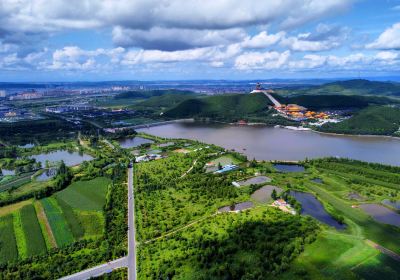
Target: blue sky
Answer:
pixel 74 40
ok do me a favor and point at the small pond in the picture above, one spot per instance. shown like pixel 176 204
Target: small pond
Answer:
pixel 311 206
pixel 70 158
pixel 289 167
pixel 133 142
pixel 263 194
pixel 8 172
pixel 382 214
pixel 318 180
pixel 238 207
pixel 255 181
pixel 46 175
pixel 394 204
pixel 27 146
pixel 162 145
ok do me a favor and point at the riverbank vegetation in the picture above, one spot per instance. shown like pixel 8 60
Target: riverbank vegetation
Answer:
pixel 375 120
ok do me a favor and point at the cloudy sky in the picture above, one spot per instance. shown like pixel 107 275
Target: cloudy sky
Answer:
pixel 67 40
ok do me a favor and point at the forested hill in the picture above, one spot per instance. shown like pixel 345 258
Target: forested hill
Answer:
pixel 220 106
pixel 150 93
pixel 375 120
pixel 349 87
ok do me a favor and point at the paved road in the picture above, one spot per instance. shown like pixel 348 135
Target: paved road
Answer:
pixel 384 250
pixel 131 228
pixel 98 270
pixel 130 260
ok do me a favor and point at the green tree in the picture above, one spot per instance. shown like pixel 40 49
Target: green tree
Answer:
pixel 274 195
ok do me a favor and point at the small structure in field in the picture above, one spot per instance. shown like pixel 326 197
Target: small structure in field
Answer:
pixel 284 206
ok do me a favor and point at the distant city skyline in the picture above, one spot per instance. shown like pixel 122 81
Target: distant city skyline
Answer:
pixel 188 40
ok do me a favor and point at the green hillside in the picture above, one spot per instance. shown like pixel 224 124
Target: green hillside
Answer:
pixel 144 94
pixel 220 106
pixel 349 87
pixel 162 102
pixel 377 120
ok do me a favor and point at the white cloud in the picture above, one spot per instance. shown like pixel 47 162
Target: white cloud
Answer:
pixel 146 22
pixel 174 38
pixel 262 40
pixel 74 58
pixel 386 55
pixel 261 60
pixel 389 39
pixel 396 8
pixel 325 37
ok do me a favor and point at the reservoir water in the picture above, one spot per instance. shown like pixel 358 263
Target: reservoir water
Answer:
pixel 70 158
pixel 269 143
pixel 133 142
pixel 311 206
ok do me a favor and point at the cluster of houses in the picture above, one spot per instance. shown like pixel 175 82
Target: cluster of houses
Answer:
pixel 284 206
pixel 148 157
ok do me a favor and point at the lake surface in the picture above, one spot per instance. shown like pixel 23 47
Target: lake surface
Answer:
pixel 238 207
pixel 286 168
pixel 382 214
pixel 269 143
pixel 133 142
pixel 46 175
pixel 70 158
pixel 255 181
pixel 311 206
pixel 395 204
pixel 263 195
pixel 8 172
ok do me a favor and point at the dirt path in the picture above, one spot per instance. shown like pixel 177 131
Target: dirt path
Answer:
pixel 190 169
pixel 383 250
pixel 179 229
pixel 43 221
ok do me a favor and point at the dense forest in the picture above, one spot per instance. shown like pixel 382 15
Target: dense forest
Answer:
pixel 144 94
pixel 256 244
pixel 229 106
pixel 347 87
pixel 374 120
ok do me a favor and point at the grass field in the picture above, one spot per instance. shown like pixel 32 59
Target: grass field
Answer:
pixel 341 256
pixel 86 195
pixel 8 245
pixel 33 234
pixel 385 235
pixel 379 267
pixel 59 225
pixel 92 223
pixel 72 219
pixel 20 235
pixel 5 210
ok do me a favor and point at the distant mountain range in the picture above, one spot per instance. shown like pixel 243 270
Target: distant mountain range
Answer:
pixel 348 87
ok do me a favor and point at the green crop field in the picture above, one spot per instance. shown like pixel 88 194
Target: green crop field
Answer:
pixel 92 222
pixel 72 219
pixel 86 195
pixel 8 244
pixel 20 235
pixel 33 234
pixel 57 221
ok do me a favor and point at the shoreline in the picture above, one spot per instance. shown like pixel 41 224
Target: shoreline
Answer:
pixel 307 129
